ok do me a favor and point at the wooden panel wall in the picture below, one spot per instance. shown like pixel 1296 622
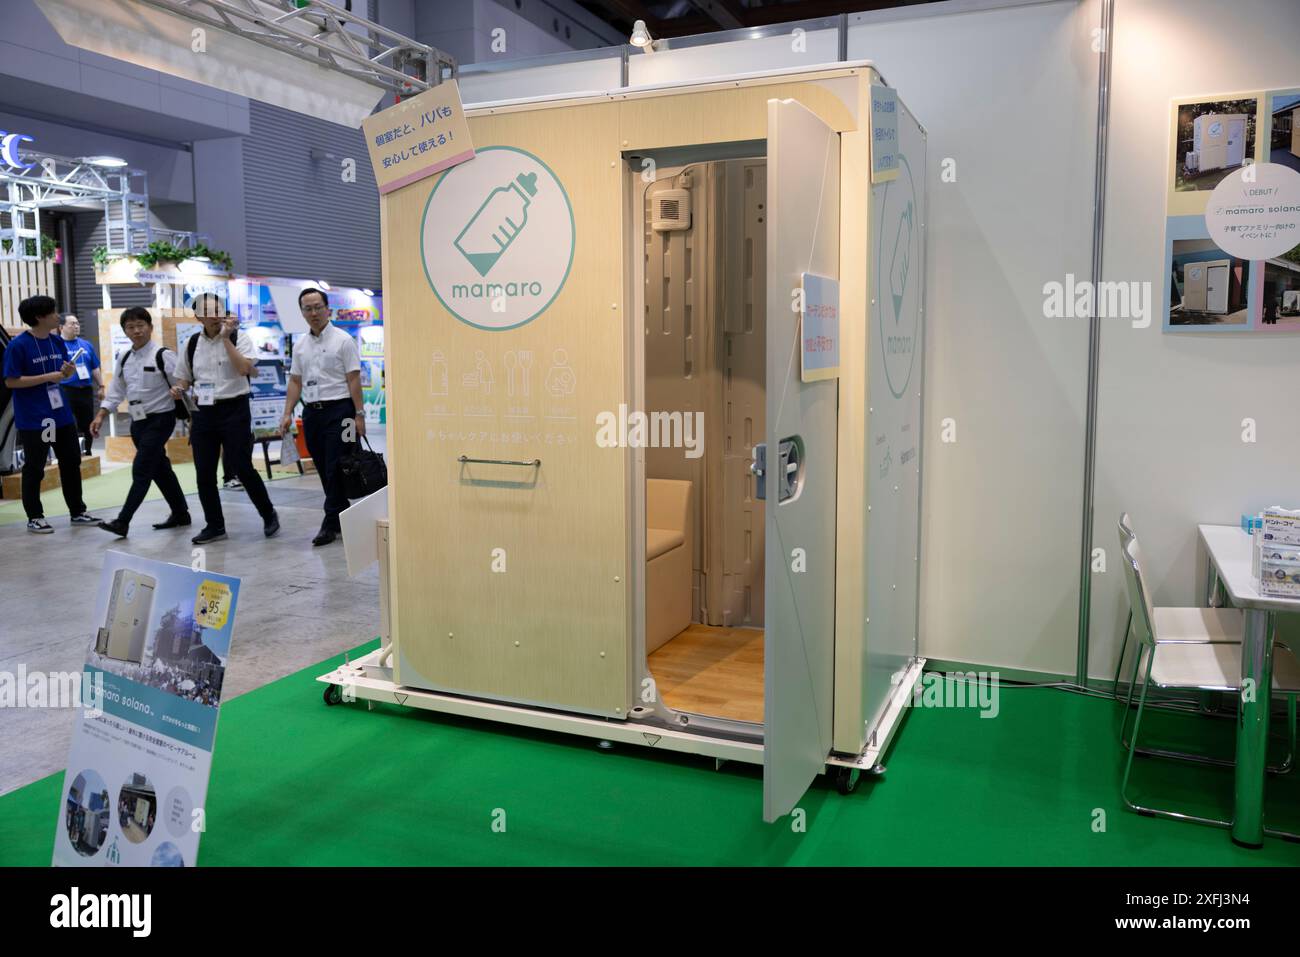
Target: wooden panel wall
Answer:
pixel 18 280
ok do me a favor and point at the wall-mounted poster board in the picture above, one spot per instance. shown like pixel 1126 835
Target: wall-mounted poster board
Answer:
pixel 1232 234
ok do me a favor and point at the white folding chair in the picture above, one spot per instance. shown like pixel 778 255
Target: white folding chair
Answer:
pixel 1190 649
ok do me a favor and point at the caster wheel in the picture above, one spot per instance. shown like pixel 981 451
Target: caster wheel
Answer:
pixel 333 694
pixel 846 780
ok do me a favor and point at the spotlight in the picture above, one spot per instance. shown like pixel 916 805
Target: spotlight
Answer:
pixel 641 36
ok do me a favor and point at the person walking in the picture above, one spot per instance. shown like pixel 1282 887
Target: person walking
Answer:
pixel 326 374
pixel 142 376
pixel 86 387
pixel 217 362
pixel 35 365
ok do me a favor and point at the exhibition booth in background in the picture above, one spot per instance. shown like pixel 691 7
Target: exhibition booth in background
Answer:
pixel 268 312
pixel 1050 161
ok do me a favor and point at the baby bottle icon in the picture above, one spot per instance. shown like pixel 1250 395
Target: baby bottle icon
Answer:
pixel 496 224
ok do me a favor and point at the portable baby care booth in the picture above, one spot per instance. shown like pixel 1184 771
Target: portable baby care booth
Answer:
pixel 1218 141
pixel 655 366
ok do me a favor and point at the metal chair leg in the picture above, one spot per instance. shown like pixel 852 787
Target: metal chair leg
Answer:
pixel 1289 763
pixel 1282 768
pixel 1128 768
pixel 1132 685
pixel 1123 650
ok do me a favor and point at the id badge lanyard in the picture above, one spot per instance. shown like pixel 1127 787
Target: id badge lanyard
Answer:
pixel 53 390
pixel 311 385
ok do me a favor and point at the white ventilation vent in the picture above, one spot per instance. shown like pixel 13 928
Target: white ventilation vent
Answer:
pixel 672 210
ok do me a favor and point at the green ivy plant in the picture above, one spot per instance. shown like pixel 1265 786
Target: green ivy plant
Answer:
pixel 158 252
pixel 99 255
pixel 48 247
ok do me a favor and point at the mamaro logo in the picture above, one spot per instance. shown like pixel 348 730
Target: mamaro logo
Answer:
pixel 497 238
pixel 902 252
pixel 73 910
pixel 900 240
pixel 497 222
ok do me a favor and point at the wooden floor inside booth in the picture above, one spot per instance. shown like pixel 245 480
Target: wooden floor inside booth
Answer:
pixel 712 671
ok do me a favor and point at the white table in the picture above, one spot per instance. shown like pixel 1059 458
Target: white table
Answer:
pixel 1229 551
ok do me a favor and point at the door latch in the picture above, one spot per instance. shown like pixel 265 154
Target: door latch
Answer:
pixel 789 466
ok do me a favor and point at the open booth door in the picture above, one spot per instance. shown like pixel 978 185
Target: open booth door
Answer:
pixel 803 202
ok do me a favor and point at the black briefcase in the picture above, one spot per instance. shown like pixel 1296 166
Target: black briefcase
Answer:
pixel 364 471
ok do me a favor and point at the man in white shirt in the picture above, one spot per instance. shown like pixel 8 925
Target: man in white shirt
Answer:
pixel 326 373
pixel 217 363
pixel 142 376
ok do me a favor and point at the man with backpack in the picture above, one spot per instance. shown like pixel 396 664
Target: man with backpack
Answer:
pixel 217 362
pixel 143 376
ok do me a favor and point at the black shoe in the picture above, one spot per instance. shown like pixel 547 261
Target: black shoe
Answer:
pixel 271 525
pixel 209 535
pixel 324 537
pixel 174 521
pixel 114 526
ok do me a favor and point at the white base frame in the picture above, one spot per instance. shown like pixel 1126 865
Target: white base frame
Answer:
pixel 366 679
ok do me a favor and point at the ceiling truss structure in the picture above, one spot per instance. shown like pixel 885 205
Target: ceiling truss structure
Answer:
pixel 51 182
pixel 321 33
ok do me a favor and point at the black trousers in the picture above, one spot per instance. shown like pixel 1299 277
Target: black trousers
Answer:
pixel 35 451
pixel 81 400
pixel 323 430
pixel 151 464
pixel 227 473
pixel 226 425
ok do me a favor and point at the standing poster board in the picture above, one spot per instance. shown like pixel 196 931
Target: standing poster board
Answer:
pixel 137 777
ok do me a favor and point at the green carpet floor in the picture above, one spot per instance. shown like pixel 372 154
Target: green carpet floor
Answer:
pixel 105 493
pixel 296 782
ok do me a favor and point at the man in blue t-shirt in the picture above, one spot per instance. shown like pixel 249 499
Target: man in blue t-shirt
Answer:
pixel 85 389
pixel 35 365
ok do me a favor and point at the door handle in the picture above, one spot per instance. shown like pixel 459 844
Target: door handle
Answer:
pixel 530 463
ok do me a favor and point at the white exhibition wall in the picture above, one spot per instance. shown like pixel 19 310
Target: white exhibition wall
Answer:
pixel 1169 443
pixel 1009 96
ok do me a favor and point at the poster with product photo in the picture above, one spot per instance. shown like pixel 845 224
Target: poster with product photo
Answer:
pixel 137 776
pixel 1232 229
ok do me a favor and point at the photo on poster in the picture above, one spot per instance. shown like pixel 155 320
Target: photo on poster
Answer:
pixel 1206 288
pixel 163 645
pixel 1280 299
pixel 1212 138
pixel 86 813
pixel 137 808
pixel 1284 128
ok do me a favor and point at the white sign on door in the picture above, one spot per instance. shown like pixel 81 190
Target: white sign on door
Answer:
pixel 497 238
